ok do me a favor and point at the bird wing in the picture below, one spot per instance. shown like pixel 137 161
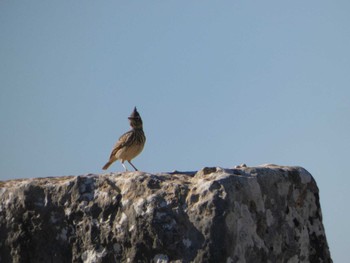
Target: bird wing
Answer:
pixel 125 140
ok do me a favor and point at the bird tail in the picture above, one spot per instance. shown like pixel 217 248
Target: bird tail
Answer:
pixel 106 165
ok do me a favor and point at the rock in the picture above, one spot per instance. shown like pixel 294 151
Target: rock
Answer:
pixel 247 214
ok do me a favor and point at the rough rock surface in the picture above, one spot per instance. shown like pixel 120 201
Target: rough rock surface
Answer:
pixel 248 214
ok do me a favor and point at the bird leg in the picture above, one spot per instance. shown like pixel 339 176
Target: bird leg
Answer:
pixel 133 166
pixel 126 169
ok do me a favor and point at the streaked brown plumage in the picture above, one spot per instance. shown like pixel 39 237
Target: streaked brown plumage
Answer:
pixel 130 144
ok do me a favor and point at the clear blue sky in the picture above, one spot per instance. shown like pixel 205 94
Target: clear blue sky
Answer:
pixel 217 83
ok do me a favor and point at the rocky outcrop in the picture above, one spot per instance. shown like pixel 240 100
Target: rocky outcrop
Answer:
pixel 257 214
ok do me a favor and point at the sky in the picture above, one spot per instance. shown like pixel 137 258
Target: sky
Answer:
pixel 217 83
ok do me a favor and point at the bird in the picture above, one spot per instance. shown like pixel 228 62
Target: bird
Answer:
pixel 130 144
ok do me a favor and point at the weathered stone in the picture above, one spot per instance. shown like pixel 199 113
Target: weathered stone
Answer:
pixel 247 214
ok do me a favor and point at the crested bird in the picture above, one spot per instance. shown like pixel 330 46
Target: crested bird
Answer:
pixel 130 144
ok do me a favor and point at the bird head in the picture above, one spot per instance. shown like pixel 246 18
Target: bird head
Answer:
pixel 135 119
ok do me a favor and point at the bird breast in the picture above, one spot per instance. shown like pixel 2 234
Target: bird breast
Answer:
pixel 129 153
